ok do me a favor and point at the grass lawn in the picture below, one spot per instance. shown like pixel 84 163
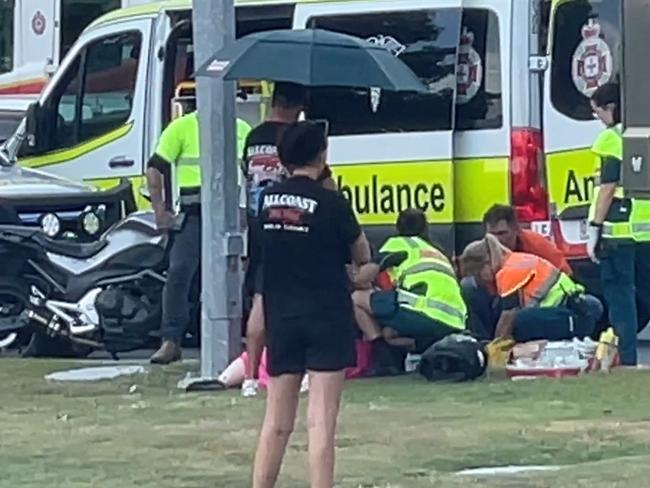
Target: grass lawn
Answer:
pixel 393 433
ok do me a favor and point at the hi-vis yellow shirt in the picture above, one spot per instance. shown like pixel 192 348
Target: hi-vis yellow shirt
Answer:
pixel 179 146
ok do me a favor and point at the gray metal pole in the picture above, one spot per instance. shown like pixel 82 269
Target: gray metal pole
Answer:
pixel 635 73
pixel 222 245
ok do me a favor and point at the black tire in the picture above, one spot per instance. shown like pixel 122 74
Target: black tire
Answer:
pixel 42 345
pixel 14 295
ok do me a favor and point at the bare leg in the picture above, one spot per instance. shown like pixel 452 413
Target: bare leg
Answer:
pixel 373 333
pixel 281 406
pixel 324 401
pixel 255 337
pixel 362 313
pixel 233 375
pixel 391 337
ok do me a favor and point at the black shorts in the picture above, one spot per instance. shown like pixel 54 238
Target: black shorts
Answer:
pixel 299 344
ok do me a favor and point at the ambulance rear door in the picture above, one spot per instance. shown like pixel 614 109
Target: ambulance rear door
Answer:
pixel 392 151
pixel 36 42
pixel 585 38
pixel 487 55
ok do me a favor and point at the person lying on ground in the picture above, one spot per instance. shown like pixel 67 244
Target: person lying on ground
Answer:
pixel 421 301
pixel 539 301
pixel 234 375
pixel 482 301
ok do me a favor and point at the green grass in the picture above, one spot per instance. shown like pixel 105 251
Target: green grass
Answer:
pixel 393 433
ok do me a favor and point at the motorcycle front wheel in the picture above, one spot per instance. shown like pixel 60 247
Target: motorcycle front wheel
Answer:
pixel 14 298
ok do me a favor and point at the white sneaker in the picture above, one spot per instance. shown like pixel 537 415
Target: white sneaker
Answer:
pixel 304 384
pixel 249 388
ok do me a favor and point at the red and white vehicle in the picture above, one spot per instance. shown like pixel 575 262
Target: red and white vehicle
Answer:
pixel 36 34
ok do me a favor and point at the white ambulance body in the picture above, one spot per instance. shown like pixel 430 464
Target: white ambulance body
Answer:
pixel 507 119
pixel 36 34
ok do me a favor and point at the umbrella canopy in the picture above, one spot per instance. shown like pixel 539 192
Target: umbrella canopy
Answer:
pixel 312 57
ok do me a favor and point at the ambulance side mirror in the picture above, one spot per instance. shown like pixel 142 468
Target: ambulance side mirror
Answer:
pixel 33 124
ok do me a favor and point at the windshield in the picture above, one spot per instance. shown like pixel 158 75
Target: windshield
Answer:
pixel 6 35
pixel 586 41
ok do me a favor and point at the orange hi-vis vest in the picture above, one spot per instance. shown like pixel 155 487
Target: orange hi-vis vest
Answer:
pixel 538 282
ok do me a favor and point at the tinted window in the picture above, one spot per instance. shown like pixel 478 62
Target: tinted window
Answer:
pixel 95 93
pixel 478 97
pixel 9 120
pixel 109 84
pixel 66 101
pixel 427 41
pixel 6 35
pixel 77 14
pixel 587 37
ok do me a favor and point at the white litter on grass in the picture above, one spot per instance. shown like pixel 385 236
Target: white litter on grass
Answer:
pixel 505 470
pixel 95 374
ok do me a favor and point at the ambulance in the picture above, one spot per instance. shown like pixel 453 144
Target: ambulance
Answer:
pixel 36 34
pixel 506 118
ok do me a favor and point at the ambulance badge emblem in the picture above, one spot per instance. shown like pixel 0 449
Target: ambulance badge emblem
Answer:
pixel 38 23
pixel 469 72
pixel 592 63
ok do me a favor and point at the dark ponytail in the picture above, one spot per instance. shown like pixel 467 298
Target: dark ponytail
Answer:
pixel 606 94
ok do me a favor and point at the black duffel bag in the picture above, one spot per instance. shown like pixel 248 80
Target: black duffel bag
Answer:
pixel 455 358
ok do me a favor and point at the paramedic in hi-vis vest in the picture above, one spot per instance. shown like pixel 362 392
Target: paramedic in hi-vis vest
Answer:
pixel 538 300
pixel 619 228
pixel 422 303
pixel 178 147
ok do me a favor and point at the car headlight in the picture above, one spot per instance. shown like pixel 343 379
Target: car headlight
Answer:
pixel 51 224
pixel 91 223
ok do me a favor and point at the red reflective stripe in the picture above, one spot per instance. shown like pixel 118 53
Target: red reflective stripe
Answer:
pixel 27 88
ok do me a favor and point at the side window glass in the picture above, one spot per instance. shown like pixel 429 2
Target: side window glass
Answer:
pixel 111 68
pixel 64 103
pixel 427 41
pixel 586 39
pixel 478 96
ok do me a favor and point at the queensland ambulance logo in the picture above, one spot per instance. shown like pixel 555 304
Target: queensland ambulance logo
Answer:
pixel 592 62
pixel 469 72
pixel 39 23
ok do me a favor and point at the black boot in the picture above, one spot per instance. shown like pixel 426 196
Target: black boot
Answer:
pixel 383 362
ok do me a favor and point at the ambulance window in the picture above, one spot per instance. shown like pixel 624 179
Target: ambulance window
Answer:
pixel 6 35
pixel 478 96
pixel 427 41
pixel 95 93
pixel 66 103
pixel 77 14
pixel 586 38
pixel 109 84
pixel 9 121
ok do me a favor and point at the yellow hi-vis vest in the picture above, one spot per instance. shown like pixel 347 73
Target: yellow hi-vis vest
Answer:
pixel 179 146
pixel 635 213
pixel 443 300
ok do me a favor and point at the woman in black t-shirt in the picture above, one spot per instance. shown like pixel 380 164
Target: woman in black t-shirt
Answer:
pixel 309 234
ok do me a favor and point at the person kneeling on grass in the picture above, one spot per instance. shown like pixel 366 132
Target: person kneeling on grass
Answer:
pixel 539 301
pixel 423 302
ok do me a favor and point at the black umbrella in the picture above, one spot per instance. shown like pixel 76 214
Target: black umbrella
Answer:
pixel 312 57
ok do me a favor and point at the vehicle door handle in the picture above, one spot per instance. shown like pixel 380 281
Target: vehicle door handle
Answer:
pixel 121 162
